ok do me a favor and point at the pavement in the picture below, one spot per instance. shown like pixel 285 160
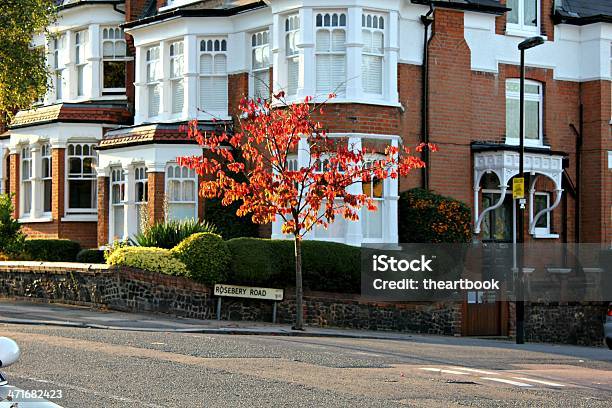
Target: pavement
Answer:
pixel 54 314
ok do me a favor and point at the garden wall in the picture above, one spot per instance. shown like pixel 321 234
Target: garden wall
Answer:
pixel 137 291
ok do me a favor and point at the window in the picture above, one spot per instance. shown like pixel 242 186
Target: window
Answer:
pixel 330 53
pixel 542 201
pixel 373 28
pixel 372 221
pixel 153 76
pixel 176 76
pixel 533 112
pixel 142 196
pixel 292 37
pixel 292 163
pixel 57 68
pixel 113 60
pixel 26 181
pixel 181 192
pixel 213 76
pixel 47 178
pixel 80 61
pixel 81 178
pixel 497 224
pixel 118 202
pixel 524 15
pixel 260 64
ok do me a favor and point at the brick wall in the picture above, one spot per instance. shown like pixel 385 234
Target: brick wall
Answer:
pixel 156 193
pixel 103 210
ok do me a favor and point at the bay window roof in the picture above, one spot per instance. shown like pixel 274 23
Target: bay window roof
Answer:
pixel 582 12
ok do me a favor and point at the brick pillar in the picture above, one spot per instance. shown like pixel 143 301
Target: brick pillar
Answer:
pixel 58 182
pixel 14 182
pixel 103 210
pixel 157 193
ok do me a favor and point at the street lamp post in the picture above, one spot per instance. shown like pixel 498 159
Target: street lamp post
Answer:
pixel 520 303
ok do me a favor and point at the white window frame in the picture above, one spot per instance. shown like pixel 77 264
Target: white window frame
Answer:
pixel 215 47
pixel 46 177
pixel 141 183
pixel 117 200
pixel 292 54
pixel 542 231
pixel 58 76
pixel 153 78
pixel 184 177
pixel 117 41
pixel 380 202
pixel 528 97
pixel 177 70
pixel 260 45
pixel 26 182
pixel 324 22
pixel 81 176
pixel 371 24
pixel 80 61
pixel 521 28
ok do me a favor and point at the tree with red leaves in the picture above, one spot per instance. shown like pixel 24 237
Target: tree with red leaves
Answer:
pixel 251 166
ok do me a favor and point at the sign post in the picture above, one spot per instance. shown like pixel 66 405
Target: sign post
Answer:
pixel 221 290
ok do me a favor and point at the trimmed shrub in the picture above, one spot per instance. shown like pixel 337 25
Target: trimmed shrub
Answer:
pixel 149 259
pixel 169 234
pixel 206 256
pixel 326 266
pixel 52 250
pixel 229 225
pixel 11 237
pixel 426 217
pixel 90 256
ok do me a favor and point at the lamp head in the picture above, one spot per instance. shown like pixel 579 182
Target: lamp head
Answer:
pixel 530 43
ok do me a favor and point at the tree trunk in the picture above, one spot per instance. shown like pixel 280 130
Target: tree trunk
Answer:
pixel 299 308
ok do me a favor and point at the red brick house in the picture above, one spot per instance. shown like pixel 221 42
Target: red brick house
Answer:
pixel 99 154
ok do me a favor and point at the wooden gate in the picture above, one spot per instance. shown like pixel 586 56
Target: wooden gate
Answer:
pixel 483 314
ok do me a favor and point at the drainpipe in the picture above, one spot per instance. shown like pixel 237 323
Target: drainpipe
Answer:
pixel 427 20
pixel 579 133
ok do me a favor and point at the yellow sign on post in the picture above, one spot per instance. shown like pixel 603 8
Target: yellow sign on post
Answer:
pixel 518 188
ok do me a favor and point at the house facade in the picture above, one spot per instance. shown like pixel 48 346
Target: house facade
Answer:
pixel 96 159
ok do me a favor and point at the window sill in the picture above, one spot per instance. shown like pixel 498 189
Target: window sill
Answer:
pixel 546 236
pixel 35 220
pixel 80 218
pixel 343 100
pixel 517 32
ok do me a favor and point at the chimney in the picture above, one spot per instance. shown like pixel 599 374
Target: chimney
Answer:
pixel 135 8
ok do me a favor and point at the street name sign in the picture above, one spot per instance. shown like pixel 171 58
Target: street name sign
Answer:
pixel 248 292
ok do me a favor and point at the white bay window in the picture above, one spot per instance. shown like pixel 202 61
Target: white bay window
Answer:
pixel 292 36
pixel 181 192
pixel 46 177
pixel 114 55
pixel 80 61
pixel 26 182
pixel 177 88
pixel 153 80
pixel 58 68
pixel 372 63
pixel 330 53
pixel 81 191
pixel 213 77
pixel 142 196
pixel 260 64
pixel 118 201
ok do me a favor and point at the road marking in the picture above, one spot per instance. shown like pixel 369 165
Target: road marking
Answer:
pixel 473 370
pixel 552 384
pixel 503 380
pixel 440 370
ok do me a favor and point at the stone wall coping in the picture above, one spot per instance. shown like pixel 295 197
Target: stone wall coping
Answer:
pixel 55 267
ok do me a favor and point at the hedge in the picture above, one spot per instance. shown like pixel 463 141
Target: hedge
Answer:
pixel 206 256
pixel 427 217
pixel 148 258
pixel 90 256
pixel 52 250
pixel 326 266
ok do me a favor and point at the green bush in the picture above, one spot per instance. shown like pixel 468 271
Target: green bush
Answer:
pixel 149 259
pixel 52 250
pixel 90 256
pixel 206 256
pixel 229 225
pixel 426 217
pixel 326 266
pixel 169 234
pixel 11 237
